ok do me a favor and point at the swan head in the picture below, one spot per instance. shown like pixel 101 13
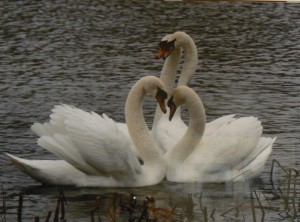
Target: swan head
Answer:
pixel 177 99
pixel 170 42
pixel 166 47
pixel 154 86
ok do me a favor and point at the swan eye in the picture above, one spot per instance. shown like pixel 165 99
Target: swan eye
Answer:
pixel 163 44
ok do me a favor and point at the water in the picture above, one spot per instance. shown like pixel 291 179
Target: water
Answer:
pixel 89 54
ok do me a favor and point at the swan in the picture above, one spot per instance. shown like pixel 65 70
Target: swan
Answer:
pixel 171 47
pixel 234 151
pixel 92 149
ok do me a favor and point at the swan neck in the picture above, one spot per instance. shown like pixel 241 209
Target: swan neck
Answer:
pixel 169 70
pixel 195 131
pixel 137 127
pixel 190 61
pixel 168 77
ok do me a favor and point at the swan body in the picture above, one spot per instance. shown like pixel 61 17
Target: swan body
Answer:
pixel 94 151
pixel 233 151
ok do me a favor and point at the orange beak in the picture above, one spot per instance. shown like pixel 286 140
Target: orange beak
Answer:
pixel 160 54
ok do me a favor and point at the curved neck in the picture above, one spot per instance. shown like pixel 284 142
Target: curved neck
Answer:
pixel 169 70
pixel 168 77
pixel 190 61
pixel 138 129
pixel 193 135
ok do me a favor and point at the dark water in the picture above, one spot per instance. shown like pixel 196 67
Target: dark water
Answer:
pixel 89 54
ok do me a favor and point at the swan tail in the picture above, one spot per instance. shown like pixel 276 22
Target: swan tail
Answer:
pixel 29 167
pixel 50 172
pixel 22 164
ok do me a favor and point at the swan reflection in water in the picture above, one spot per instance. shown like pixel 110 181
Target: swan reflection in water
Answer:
pixel 170 202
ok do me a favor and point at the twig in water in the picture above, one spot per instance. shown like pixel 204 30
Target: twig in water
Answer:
pixel 272 169
pixel 113 212
pixel 282 195
pixel 252 207
pixel 97 207
pixel 212 213
pixel 3 200
pixel 20 207
pixel 205 214
pixel 200 201
pixel 230 209
pixel 288 189
pixel 294 207
pixel 260 206
pixel 61 201
pixel 48 216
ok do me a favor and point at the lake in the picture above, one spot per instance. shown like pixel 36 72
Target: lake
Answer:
pixel 89 54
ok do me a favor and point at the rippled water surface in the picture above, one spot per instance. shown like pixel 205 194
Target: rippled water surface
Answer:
pixel 89 53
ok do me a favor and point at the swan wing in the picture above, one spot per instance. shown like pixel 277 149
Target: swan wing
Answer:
pixel 213 126
pixel 90 142
pixel 102 144
pixel 54 137
pixel 228 146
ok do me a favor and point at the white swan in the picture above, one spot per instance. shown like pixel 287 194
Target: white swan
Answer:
pixel 235 149
pixel 171 47
pixel 94 151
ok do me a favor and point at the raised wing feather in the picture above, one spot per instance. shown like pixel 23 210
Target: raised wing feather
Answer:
pixel 102 144
pixel 90 142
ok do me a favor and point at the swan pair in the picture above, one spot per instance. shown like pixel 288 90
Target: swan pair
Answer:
pixel 99 152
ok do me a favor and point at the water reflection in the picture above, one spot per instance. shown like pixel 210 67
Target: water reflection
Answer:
pixel 167 201
pixel 173 202
pixel 89 54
